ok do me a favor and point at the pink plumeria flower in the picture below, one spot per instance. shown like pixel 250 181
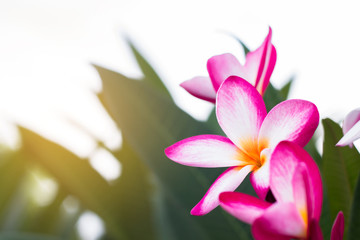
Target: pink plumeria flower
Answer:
pixel 295 182
pixel 351 128
pixel 258 67
pixel 252 134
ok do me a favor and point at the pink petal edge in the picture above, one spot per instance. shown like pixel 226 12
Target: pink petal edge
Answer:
pixel 314 232
pixel 270 68
pixel 204 151
pixel 227 181
pixel 283 163
pixel 200 87
pixel 281 220
pixel 350 136
pixel 292 120
pixel 267 63
pixel 351 119
pixel 221 67
pixel 303 197
pixel 242 206
pixel 259 64
pixel 337 230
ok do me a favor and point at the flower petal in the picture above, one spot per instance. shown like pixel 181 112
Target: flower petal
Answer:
pixel 352 135
pixel 262 234
pixel 260 64
pixel 283 163
pixel 205 151
pixel 269 67
pixel 351 119
pixel 200 87
pixel 221 67
pixel 314 231
pixel 260 178
pixel 291 120
pixel 240 111
pixel 280 219
pixel 303 198
pixel 242 206
pixel 337 231
pixel 227 181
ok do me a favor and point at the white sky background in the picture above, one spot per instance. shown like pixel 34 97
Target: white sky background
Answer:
pixel 46 47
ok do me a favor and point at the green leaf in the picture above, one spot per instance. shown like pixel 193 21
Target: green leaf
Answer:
pixel 213 124
pixel 354 230
pixel 132 196
pixel 150 123
pixel 46 219
pixel 149 73
pixel 12 171
pixel 26 236
pixel 75 175
pixel 286 88
pixel 50 219
pixel 313 151
pixel 325 220
pixel 341 166
pixel 272 97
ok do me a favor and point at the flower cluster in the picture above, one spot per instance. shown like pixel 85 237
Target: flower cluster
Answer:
pixel 266 145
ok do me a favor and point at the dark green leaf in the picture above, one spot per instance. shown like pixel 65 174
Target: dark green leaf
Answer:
pixel 150 123
pixel 354 229
pixel 313 151
pixel 213 124
pixel 341 166
pixel 26 236
pixel 325 220
pixel 286 88
pixel 132 196
pixel 272 97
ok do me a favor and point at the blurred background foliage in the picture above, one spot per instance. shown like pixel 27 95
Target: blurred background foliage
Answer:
pixel 45 189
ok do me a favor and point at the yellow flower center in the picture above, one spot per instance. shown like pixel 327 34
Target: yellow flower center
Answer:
pixel 250 152
pixel 304 215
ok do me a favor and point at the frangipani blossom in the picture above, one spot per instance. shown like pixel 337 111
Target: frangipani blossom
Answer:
pixel 351 128
pixel 258 67
pixel 295 182
pixel 252 134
